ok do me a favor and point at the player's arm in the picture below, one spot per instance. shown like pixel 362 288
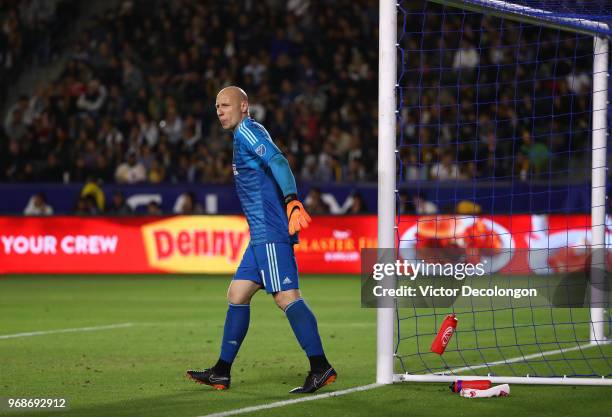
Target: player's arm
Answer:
pixel 296 214
pixel 266 151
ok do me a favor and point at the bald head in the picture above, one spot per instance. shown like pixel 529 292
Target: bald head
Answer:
pixel 236 93
pixel 232 106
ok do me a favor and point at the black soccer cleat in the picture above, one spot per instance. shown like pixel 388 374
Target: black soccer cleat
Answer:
pixel 208 377
pixel 316 380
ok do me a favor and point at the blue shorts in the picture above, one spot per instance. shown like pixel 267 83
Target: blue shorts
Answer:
pixel 271 265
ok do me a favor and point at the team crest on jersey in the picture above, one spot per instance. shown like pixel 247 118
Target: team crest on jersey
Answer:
pixel 261 150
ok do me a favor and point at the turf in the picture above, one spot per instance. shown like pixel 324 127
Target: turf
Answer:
pixel 177 324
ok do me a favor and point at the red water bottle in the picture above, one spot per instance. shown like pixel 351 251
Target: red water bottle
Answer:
pixel 444 334
pixel 457 386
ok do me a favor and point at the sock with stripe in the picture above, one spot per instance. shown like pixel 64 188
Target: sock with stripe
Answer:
pixel 304 325
pixel 236 327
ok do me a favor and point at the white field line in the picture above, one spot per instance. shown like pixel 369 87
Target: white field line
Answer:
pixel 519 358
pixel 73 330
pixel 295 401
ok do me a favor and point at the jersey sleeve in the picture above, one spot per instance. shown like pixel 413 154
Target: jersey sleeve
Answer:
pixel 258 143
pixel 283 175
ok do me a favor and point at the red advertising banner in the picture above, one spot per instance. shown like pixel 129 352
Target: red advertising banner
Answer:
pixel 204 244
pixel 71 245
pixel 333 244
pixel 500 240
pixel 214 244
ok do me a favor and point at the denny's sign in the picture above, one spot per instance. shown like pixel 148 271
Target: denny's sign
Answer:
pixel 196 243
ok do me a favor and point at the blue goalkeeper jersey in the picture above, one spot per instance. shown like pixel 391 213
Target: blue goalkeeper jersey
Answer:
pixel 260 196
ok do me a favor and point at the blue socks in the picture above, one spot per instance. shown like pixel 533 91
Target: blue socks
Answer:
pixel 304 325
pixel 236 326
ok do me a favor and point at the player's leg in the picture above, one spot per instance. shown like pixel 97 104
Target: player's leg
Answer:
pixel 279 269
pixel 245 284
pixel 304 325
pixel 237 320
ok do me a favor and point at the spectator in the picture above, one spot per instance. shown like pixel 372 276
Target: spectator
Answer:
pixel 326 164
pixel 314 203
pixel 536 153
pixel 132 77
pixel 52 171
pixel 157 172
pixel 86 206
pixel 92 189
pixel 131 171
pixel 172 126
pixel 146 157
pixel 93 98
pixel 412 170
pixel 37 206
pixel 466 57
pixel 148 133
pixel 255 69
pixel 423 206
pixel 187 203
pixel 579 83
pixel 355 172
pixel 118 205
pixel 154 209
pixel 102 169
pixel 309 165
pixel 358 206
pixel 192 133
pixel 109 134
pixel 17 119
pixel 406 204
pixel 446 169
pixel 468 207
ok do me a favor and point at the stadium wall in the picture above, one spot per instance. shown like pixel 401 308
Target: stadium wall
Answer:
pixel 518 197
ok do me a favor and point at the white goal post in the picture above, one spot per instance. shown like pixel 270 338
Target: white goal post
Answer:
pixel 387 74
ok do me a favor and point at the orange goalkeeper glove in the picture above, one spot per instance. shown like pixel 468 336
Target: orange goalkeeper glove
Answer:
pixel 298 218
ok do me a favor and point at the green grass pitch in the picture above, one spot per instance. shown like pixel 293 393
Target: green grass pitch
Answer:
pixel 177 323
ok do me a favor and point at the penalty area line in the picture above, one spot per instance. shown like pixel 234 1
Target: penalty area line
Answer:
pixel 295 401
pixel 73 330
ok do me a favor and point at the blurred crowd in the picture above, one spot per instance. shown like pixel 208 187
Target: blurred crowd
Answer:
pixel 135 102
pixel 29 31
pixel 492 99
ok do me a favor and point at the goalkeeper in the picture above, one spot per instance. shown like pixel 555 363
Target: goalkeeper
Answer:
pixel 268 196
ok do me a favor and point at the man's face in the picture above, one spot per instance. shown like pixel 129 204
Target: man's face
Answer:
pixel 229 109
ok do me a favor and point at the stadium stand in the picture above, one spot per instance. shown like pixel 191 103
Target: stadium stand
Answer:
pixel 135 102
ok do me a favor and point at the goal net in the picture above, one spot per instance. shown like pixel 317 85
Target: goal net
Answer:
pixel 499 145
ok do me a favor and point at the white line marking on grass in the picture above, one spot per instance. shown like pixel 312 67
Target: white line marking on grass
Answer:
pixel 74 330
pixel 295 401
pixel 519 358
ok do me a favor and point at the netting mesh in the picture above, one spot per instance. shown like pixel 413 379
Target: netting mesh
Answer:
pixel 494 155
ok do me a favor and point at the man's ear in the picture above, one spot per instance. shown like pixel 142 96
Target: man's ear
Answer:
pixel 244 106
